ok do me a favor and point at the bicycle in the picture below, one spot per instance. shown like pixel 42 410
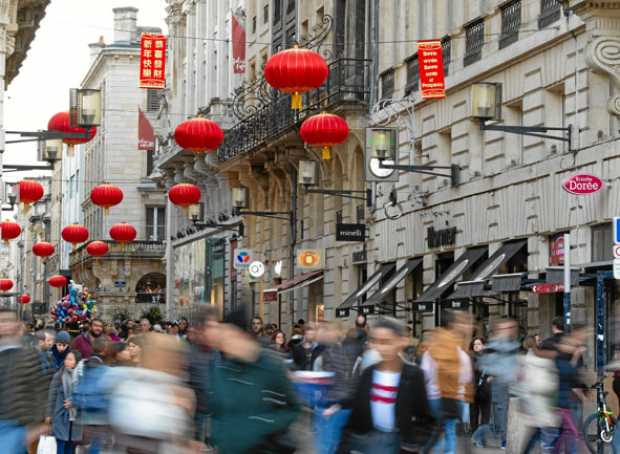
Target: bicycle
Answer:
pixel 599 427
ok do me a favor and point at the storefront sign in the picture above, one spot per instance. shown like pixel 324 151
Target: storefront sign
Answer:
pixel 581 184
pixel 547 288
pixel 432 78
pixel 152 61
pixel 358 257
pixel 457 305
pixel 367 310
pixel 440 238
pixel 556 250
pixel 256 269
pixel 310 259
pixel 243 258
pixel 342 313
pixel 423 307
pixel 350 232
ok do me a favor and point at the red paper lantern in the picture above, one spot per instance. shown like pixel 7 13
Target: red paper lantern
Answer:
pixel 61 123
pixel 24 299
pixel 199 135
pixel 324 130
pixel 74 234
pixel 106 196
pixel 58 281
pixel 123 233
pixel 97 248
pixel 296 71
pixel 6 284
pixel 184 194
pixel 10 230
pixel 43 249
pixel 30 192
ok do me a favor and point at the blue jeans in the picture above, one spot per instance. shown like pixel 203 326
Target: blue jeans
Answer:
pixel 448 444
pixel 12 438
pixel 65 447
pixel 328 430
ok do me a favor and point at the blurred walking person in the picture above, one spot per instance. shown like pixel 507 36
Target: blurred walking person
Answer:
pixel 306 352
pixel 61 412
pixel 390 408
pixel 330 417
pixel 449 376
pixel 252 401
pixel 499 360
pixel 481 406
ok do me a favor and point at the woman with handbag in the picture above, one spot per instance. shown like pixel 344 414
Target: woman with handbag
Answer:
pixel 60 410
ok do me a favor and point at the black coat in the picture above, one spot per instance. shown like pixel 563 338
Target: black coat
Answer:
pixel 414 420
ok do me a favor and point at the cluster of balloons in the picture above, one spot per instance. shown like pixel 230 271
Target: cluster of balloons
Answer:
pixel 77 306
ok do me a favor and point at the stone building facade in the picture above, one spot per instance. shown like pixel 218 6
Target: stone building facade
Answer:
pixel 130 280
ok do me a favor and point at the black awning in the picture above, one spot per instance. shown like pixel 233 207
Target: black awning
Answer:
pixel 383 271
pixel 468 289
pixel 501 256
pixel 379 296
pixel 505 283
pixel 467 260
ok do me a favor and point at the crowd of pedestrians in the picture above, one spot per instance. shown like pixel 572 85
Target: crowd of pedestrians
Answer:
pixel 236 385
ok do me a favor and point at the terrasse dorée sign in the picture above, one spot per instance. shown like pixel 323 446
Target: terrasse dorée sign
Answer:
pixel 581 184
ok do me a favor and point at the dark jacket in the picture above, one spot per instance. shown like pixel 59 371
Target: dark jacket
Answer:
pixel 304 358
pixel 83 343
pixel 336 359
pixel 61 425
pixel 59 358
pixel 199 364
pixel 413 415
pixel 252 405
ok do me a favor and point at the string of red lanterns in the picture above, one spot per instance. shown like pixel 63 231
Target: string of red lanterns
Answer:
pixel 123 233
pixel 58 281
pixel 9 230
pixel 97 248
pixel 199 135
pixel 324 130
pixel 29 192
pixel 106 196
pixel 43 249
pixel 185 195
pixel 75 234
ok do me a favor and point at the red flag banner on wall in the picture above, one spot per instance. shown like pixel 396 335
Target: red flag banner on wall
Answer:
pixel 238 44
pixel 152 61
pixel 146 135
pixel 432 79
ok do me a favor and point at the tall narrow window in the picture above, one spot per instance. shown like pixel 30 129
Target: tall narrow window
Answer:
pixel 155 223
pixel 253 24
pixel 474 41
pixel 277 11
pixel 511 22
pixel 550 12
pixel 446 45
pixel 413 75
pixel 149 162
pixel 266 13
pixel 387 84
pixel 153 99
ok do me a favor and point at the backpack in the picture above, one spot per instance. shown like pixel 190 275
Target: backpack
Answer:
pixel 90 397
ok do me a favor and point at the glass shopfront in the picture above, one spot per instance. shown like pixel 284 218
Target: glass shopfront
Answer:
pixel 190 273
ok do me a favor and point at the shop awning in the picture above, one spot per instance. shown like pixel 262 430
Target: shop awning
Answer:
pixel 300 281
pixel 352 300
pixel 476 287
pixel 507 283
pixel 555 275
pixel 379 296
pixel 467 260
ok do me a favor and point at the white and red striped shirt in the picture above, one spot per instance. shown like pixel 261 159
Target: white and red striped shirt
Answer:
pixel 383 400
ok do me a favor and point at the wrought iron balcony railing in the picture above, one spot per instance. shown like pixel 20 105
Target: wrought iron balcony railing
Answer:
pixel 550 12
pixel 151 298
pixel 268 115
pixel 133 250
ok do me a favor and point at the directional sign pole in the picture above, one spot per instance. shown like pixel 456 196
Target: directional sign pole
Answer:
pixel 567 276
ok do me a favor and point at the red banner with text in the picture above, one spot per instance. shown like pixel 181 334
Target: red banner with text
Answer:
pixel 146 135
pixel 153 61
pixel 432 78
pixel 238 44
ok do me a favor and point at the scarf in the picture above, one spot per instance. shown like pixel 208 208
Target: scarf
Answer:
pixel 68 383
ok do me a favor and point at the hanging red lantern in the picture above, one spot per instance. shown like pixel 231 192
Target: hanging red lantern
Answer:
pixel 97 248
pixel 29 192
pixel 6 284
pixel 43 249
pixel 58 281
pixel 324 130
pixel 10 230
pixel 24 299
pixel 61 123
pixel 185 195
pixel 74 234
pixel 106 196
pixel 123 233
pixel 296 71
pixel 199 135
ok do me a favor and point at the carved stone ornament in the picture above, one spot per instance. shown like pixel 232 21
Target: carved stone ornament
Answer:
pixel 603 54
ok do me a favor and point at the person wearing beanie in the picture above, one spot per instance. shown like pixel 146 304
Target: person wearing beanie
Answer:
pixel 60 349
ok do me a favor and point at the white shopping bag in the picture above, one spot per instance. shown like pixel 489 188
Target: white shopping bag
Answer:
pixel 47 445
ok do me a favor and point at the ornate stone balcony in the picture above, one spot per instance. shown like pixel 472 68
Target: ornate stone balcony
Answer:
pixel 143 250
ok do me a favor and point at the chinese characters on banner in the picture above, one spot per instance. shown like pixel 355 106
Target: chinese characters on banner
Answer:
pixel 152 61
pixel 238 44
pixel 432 79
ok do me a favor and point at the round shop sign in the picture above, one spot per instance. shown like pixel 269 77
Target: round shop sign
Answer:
pixel 256 269
pixel 581 184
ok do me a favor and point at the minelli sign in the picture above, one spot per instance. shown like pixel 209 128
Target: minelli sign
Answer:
pixel 581 184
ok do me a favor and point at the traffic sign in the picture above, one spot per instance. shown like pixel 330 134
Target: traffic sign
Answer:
pixel 617 230
pixel 616 250
pixel 616 268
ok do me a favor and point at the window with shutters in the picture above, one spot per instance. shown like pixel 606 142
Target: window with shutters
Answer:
pixel 413 75
pixel 387 84
pixel 602 239
pixel 153 99
pixel 277 11
pixel 474 41
pixel 446 45
pixel 550 12
pixel 150 162
pixel 511 23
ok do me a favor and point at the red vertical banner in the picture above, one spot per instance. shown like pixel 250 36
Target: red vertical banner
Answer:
pixel 146 135
pixel 432 78
pixel 238 44
pixel 153 61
